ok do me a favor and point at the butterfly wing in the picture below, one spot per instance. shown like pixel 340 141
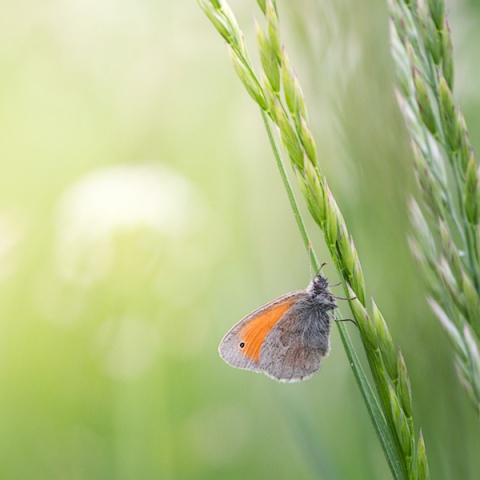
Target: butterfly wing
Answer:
pixel 295 346
pixel 241 346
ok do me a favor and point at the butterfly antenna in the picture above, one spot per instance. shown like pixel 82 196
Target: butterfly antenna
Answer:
pixel 346 320
pixel 345 298
pixel 321 266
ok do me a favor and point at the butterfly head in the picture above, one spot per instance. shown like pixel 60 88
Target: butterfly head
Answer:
pixel 319 291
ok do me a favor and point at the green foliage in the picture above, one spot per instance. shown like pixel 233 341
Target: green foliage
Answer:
pixel 446 235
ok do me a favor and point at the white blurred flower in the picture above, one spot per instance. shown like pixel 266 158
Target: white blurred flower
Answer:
pixel 130 234
pixel 116 200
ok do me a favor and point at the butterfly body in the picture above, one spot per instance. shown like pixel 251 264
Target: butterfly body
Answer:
pixel 285 339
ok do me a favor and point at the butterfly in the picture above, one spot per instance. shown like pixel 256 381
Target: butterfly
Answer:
pixel 286 339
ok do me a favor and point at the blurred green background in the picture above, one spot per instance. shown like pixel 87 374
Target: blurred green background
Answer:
pixel 142 215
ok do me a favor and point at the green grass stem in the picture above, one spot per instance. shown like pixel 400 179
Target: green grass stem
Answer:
pixel 278 93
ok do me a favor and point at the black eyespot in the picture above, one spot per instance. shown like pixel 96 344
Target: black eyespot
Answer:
pixel 242 344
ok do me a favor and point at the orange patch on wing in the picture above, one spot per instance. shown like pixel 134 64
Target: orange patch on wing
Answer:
pixel 254 332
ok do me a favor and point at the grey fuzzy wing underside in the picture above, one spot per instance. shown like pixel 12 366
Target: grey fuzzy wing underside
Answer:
pixel 296 345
